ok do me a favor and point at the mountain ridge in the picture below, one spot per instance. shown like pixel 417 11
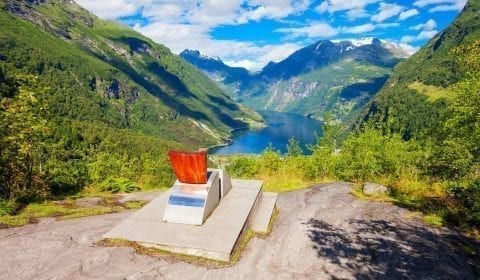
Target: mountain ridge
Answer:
pixel 148 70
pixel 288 84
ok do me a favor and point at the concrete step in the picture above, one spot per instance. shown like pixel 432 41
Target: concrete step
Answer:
pixel 263 214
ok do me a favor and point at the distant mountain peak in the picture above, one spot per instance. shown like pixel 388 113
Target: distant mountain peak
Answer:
pixel 197 53
pixel 214 67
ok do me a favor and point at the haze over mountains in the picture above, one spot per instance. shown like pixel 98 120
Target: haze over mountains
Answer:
pixel 324 77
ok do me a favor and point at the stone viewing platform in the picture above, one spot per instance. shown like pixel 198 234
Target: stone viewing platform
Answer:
pixel 204 220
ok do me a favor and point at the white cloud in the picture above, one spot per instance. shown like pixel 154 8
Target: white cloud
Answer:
pixel 407 39
pixel 408 14
pixel 426 35
pixel 359 28
pixel 386 11
pixel 332 6
pixel 446 8
pixel 441 5
pixel 181 24
pixel 357 13
pixel 427 31
pixel 317 30
pixel 111 9
pixel 313 30
pixel 387 25
pixel 427 26
pixel 408 48
pixel 181 36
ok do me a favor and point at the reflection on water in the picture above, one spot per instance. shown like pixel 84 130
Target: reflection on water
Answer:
pixel 281 127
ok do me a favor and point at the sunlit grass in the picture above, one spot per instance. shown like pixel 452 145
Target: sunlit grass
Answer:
pixel 434 220
pixel 433 92
pixel 66 209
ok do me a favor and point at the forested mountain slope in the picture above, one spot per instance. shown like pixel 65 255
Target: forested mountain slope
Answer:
pixel 106 100
pixel 415 97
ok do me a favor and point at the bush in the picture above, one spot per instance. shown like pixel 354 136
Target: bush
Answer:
pixel 6 207
pixel 468 199
pixel 369 155
pixel 243 167
pixel 270 160
pixel 115 185
pixel 450 160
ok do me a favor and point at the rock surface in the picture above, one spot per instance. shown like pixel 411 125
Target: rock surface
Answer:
pixel 321 233
pixel 88 202
pixel 373 188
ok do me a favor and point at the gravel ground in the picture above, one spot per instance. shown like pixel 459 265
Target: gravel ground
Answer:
pixel 321 233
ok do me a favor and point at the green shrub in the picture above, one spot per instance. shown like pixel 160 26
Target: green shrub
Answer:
pixel 270 160
pixel 115 185
pixel 468 199
pixel 369 155
pixel 243 167
pixel 6 207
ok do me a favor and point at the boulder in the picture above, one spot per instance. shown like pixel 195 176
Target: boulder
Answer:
pixel 373 188
pixel 88 202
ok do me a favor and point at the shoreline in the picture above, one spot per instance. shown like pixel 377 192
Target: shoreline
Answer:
pixel 229 141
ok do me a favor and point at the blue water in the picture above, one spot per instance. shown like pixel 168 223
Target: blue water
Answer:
pixel 281 127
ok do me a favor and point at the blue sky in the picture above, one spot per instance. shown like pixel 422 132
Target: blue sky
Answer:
pixel 250 33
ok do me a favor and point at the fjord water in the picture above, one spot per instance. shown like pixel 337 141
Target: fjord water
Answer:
pixel 281 127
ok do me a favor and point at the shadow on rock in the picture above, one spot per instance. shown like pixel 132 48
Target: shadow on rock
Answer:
pixel 385 250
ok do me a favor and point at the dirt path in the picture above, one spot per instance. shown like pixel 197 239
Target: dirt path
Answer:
pixel 321 233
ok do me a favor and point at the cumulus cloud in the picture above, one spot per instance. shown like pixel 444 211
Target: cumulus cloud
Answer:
pixel 407 39
pixel 247 54
pixel 426 35
pixel 441 5
pixel 408 14
pixel 386 11
pixel 427 26
pixel 427 31
pixel 359 28
pixel 332 6
pixel 181 24
pixel 356 14
pixel 317 30
pixel 111 9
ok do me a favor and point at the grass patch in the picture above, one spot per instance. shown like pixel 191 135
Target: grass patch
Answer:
pixel 283 182
pixel 164 254
pixel 434 220
pixel 66 209
pixel 433 92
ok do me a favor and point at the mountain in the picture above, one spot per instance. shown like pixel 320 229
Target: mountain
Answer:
pixel 416 95
pixel 85 101
pixel 215 68
pixel 324 77
pixel 105 72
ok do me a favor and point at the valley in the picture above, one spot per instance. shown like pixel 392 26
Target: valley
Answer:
pixel 324 78
pixel 364 119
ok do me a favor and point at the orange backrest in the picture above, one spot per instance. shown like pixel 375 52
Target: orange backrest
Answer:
pixel 189 167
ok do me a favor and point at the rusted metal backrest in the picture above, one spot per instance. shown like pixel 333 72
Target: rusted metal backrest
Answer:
pixel 189 167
